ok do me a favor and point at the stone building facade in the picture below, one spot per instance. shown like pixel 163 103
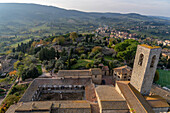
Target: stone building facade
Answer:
pixel 122 73
pixel 95 74
pixel 144 68
pixel 105 71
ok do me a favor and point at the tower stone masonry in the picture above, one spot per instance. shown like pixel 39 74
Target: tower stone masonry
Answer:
pixel 144 67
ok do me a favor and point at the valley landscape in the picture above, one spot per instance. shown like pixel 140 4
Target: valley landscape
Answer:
pixel 56 60
pixel 22 22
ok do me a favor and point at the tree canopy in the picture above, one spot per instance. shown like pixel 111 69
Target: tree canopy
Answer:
pixel 73 36
pixel 126 50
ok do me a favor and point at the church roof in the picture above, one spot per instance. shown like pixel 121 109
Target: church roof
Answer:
pixel 156 101
pixel 110 98
pixel 111 95
pixel 133 97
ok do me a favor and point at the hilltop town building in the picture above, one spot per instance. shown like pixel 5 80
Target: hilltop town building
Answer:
pixel 81 95
pixel 105 71
pixel 122 73
pixel 95 74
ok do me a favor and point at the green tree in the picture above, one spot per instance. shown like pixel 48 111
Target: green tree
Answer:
pixel 58 54
pixel 126 50
pixel 73 36
pixel 20 70
pixel 52 53
pixel 54 40
pixel 61 40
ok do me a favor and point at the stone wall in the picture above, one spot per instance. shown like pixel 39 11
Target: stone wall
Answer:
pixel 97 79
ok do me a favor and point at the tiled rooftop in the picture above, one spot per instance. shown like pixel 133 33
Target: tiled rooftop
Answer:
pixel 134 99
pixel 45 107
pixel 156 101
pixel 90 93
pixel 123 70
pixel 62 73
pixel 110 98
pixel 108 93
pixel 93 71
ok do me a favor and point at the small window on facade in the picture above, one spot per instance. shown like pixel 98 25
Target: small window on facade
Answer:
pixel 140 59
pixel 95 76
pixel 153 61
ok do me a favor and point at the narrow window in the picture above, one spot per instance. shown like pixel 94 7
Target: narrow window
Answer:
pixel 140 59
pixel 153 61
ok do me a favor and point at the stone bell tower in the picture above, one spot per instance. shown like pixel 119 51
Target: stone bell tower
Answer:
pixel 144 67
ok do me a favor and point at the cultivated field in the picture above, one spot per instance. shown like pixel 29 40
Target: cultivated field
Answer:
pixel 164 78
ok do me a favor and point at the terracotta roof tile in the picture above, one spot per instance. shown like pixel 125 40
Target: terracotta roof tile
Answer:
pixel 134 98
pixel 123 70
pixel 105 68
pixel 110 98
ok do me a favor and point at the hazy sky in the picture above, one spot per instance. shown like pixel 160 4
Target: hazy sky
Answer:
pixel 147 7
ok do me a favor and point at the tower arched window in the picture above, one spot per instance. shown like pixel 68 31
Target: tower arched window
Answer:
pixel 140 59
pixel 153 61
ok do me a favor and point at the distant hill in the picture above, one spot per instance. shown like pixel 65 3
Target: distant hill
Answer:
pixel 18 18
pixel 162 17
pixel 21 22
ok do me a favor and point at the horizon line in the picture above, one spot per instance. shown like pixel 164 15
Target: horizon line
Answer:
pixel 70 9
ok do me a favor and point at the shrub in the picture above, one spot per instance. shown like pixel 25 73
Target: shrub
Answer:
pixel 88 65
pixel 73 61
pixel 97 49
pixel 83 56
pixel 91 55
pixel 98 55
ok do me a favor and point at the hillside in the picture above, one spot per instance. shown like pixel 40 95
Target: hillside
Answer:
pixel 20 22
pixel 16 18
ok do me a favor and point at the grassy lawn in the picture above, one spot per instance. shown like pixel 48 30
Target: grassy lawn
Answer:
pixel 81 63
pixel 164 78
